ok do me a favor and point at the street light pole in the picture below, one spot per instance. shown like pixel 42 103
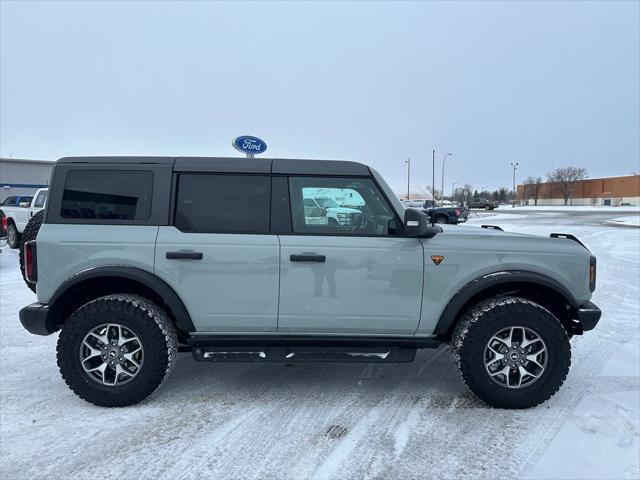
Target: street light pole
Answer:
pixel 442 192
pixel 408 162
pixel 515 167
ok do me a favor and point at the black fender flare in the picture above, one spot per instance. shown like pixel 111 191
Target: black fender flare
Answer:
pixel 466 293
pixel 148 279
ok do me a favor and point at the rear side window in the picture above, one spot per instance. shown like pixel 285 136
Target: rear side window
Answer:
pixel 223 203
pixel 107 195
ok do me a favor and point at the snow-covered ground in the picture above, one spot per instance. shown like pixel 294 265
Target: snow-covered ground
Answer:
pixel 332 420
pixel 628 221
pixel 575 208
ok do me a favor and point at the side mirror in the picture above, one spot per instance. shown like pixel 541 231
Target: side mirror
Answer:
pixel 416 224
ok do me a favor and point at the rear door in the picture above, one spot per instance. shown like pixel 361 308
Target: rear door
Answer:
pixel 218 253
pixel 356 277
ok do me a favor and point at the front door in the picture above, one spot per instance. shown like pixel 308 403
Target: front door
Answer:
pixel 344 269
pixel 219 255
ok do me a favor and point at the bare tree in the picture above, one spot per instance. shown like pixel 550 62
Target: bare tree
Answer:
pixel 529 187
pixel 565 178
pixel 537 187
pixel 532 187
pixel 463 194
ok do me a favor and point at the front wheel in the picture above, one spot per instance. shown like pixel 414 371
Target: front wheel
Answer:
pixel 116 350
pixel 511 352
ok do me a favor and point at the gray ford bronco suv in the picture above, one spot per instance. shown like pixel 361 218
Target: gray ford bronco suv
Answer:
pixel 138 258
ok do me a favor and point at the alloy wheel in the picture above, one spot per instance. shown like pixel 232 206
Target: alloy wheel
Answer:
pixel 515 357
pixel 111 354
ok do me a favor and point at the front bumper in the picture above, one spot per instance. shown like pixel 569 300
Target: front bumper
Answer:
pixel 37 319
pixel 589 315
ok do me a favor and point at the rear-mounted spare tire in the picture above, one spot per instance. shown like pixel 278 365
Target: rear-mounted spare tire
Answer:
pixel 30 233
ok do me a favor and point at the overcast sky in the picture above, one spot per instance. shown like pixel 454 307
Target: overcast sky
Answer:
pixel 490 82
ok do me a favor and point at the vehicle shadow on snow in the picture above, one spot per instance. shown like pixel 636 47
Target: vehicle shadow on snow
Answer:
pixel 432 380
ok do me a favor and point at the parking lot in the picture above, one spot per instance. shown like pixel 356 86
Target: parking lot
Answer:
pixel 339 420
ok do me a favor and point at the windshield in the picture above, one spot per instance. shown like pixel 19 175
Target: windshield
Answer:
pixel 326 203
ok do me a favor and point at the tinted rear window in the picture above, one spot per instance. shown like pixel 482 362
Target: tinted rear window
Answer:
pixel 223 203
pixel 107 195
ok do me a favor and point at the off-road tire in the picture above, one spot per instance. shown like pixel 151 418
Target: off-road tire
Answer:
pixel 30 233
pixel 153 327
pixel 13 236
pixel 484 320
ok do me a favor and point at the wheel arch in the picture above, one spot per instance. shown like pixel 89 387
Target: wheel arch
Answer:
pixel 105 280
pixel 536 287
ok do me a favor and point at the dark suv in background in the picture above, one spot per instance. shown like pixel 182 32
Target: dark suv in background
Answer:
pixel 483 203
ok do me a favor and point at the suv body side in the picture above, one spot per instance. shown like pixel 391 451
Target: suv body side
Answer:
pixel 248 282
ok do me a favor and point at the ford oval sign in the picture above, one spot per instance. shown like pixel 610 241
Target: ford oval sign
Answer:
pixel 249 145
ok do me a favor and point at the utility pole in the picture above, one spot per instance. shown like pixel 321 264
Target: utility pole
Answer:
pixel 442 192
pixel 515 167
pixel 408 162
pixel 433 180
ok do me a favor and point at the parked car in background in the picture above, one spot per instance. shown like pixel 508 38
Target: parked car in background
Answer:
pixel 3 228
pixel 450 215
pixel 18 216
pixel 16 201
pixel 334 213
pixel 481 202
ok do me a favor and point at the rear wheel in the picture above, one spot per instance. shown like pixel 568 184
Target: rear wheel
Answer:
pixel 511 352
pixel 116 350
pixel 441 219
pixel 13 236
pixel 487 207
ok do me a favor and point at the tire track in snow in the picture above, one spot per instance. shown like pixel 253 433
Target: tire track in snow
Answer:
pixel 343 450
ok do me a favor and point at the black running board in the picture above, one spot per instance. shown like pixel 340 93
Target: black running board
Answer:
pixel 292 354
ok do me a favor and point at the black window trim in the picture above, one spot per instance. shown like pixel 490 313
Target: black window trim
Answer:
pixel 276 208
pixel 159 198
pixel 400 223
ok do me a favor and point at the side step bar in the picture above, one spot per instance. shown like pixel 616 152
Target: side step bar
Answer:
pixel 291 354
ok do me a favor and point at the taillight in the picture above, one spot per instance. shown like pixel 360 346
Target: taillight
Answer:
pixel 4 224
pixel 457 212
pixel 592 273
pixel 30 262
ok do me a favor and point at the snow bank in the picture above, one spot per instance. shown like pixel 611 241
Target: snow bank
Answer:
pixel 580 208
pixel 630 221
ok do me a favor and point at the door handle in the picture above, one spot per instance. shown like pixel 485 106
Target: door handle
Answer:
pixel 308 257
pixel 184 255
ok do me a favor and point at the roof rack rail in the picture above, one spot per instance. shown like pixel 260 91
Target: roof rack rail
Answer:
pixel 568 236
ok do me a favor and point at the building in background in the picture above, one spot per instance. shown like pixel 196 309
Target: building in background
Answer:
pixel 614 191
pixel 22 176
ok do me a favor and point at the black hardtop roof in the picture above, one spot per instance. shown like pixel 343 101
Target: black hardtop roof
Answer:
pixel 236 164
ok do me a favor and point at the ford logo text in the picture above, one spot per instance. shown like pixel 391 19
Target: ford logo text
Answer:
pixel 249 145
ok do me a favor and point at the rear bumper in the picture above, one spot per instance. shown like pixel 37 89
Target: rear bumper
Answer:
pixel 37 319
pixel 589 315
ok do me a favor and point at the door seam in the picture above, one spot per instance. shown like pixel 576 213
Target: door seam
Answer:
pixel 279 282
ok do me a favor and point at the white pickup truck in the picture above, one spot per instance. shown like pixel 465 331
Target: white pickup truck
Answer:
pixel 18 216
